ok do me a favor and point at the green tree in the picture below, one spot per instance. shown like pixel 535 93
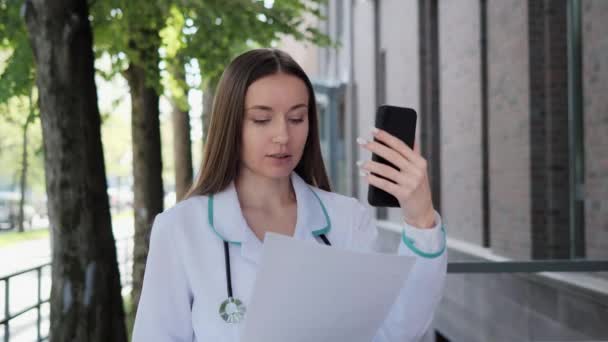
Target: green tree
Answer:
pixel 174 78
pixel 86 302
pixel 211 37
pixel 214 38
pixel 11 147
pixel 210 32
pixel 128 30
pixel 17 80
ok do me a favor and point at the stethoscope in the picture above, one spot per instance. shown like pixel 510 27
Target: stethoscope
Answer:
pixel 232 310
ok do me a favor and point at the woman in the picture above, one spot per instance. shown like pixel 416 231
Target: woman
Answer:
pixel 263 172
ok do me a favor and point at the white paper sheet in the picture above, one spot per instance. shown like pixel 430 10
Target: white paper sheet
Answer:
pixel 306 291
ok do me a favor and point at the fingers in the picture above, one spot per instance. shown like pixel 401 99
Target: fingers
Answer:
pixel 410 167
pixel 385 152
pixel 388 172
pixel 398 145
pixel 407 181
pixel 398 190
pixel 392 156
pixel 385 185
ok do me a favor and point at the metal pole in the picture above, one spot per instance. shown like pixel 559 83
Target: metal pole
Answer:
pixel 380 77
pixel 575 128
pixel 332 93
pixel 528 266
pixel 39 275
pixel 123 276
pixel 485 139
pixel 6 309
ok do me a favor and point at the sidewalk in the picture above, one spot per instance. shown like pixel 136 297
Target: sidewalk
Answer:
pixel 23 288
pixel 24 255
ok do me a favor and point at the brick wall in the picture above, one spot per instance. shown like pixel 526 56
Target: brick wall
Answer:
pixel 547 27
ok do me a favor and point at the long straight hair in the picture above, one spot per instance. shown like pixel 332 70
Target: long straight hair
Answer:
pixel 220 162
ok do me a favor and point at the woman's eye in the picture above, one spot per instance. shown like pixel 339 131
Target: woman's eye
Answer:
pixel 260 121
pixel 296 120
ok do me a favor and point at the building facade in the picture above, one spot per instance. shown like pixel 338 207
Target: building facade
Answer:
pixel 513 119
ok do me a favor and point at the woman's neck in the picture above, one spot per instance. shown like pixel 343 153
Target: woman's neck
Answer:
pixel 266 194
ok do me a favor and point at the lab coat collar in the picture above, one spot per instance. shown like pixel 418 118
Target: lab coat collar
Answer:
pixel 312 217
pixel 227 221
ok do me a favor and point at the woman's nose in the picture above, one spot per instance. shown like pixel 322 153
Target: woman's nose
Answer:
pixel 281 133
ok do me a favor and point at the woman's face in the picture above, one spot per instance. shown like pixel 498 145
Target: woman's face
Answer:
pixel 275 126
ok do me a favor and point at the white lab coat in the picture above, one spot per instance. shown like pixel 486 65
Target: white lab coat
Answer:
pixel 185 279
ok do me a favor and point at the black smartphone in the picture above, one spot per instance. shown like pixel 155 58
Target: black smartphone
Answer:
pixel 400 122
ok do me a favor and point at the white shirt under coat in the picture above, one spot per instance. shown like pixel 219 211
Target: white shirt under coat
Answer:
pixel 185 278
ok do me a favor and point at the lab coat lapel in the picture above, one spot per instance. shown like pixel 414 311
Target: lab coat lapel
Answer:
pixel 232 226
pixel 229 223
pixel 311 216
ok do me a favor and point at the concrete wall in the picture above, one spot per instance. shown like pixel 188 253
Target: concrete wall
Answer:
pixel 512 307
pixel 595 108
pixel 460 112
pixel 399 40
pixel 305 54
pixel 495 307
pixel 364 77
pixel 509 126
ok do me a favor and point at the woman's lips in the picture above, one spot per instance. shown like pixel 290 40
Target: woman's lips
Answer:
pixel 280 158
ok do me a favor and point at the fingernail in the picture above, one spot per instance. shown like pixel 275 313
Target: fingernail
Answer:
pixel 361 141
pixel 359 163
pixel 363 173
pixel 375 130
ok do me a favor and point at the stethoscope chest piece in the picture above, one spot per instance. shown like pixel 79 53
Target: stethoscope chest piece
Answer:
pixel 232 310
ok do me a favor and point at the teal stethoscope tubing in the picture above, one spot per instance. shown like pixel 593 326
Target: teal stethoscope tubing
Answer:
pixel 227 263
pixel 319 233
pixel 227 247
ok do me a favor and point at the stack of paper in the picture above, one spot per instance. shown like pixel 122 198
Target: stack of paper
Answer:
pixel 307 291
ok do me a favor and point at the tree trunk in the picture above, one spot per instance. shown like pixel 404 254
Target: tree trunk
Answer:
pixel 147 161
pixel 23 181
pixel 86 302
pixel 182 151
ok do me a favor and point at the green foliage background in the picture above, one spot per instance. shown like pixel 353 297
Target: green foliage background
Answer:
pixel 196 40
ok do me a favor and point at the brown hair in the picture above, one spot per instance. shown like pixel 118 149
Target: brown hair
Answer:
pixel 223 149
